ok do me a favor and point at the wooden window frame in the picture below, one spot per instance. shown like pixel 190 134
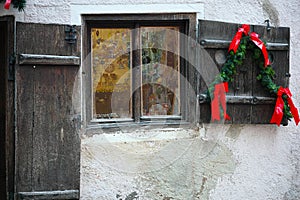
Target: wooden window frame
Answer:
pixel 186 20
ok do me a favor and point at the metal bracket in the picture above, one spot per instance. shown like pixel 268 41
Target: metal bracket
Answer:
pixel 11 67
pixel 268 24
pixel 252 100
pixel 70 31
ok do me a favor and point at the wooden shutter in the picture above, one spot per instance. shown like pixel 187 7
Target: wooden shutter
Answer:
pixel 247 101
pixel 47 139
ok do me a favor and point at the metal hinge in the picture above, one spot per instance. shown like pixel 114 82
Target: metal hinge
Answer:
pixel 70 31
pixel 11 67
pixel 253 100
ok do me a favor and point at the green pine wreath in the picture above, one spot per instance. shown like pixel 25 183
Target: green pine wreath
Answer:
pixel 18 4
pixel 266 73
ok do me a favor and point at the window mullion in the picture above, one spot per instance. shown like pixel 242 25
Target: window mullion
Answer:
pixel 136 73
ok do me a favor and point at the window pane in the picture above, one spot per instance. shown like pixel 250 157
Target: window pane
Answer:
pixel 111 76
pixel 160 71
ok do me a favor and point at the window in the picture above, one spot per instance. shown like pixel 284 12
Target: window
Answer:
pixel 148 67
pixel 136 67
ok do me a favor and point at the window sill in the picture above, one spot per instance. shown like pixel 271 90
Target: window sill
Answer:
pixel 161 117
pixel 146 123
pixel 112 120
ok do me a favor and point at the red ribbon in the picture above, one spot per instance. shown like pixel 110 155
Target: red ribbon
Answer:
pixel 255 39
pixel 219 99
pixel 7 4
pixel 234 45
pixel 278 111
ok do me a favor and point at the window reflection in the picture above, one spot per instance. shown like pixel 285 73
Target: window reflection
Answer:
pixel 111 71
pixel 111 77
pixel 160 70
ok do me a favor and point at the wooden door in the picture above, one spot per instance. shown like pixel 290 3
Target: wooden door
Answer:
pixel 48 143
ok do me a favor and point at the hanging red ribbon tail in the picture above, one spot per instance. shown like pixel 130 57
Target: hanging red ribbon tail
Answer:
pixel 219 100
pixel 294 111
pixel 7 4
pixel 234 45
pixel 255 39
pixel 278 111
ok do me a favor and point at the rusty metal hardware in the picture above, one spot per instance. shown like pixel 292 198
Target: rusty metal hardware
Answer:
pixel 268 24
pixel 203 98
pixel 70 34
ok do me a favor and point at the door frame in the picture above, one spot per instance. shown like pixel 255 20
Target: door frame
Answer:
pixel 9 105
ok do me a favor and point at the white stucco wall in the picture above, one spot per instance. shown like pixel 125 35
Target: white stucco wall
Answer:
pixel 249 162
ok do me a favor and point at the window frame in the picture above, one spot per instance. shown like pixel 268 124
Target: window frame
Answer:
pixel 187 23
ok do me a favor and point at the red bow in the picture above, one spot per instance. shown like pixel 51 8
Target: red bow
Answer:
pixel 278 111
pixel 219 98
pixel 234 45
pixel 255 39
pixel 7 4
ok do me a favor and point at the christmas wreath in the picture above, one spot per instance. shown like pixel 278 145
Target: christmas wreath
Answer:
pixel 243 41
pixel 19 4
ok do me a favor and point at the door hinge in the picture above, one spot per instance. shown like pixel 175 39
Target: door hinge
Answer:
pixel 11 67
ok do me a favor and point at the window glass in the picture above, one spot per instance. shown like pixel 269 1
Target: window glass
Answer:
pixel 160 71
pixel 111 74
pixel 112 71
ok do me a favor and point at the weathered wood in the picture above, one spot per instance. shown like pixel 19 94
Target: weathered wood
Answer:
pixel 45 39
pixel 64 195
pixel 215 37
pixel 189 85
pixel 33 59
pixel 24 148
pixel 47 143
pixel 6 108
pixel 10 102
pixel 3 96
pixel 280 64
pixel 136 75
pixel 213 31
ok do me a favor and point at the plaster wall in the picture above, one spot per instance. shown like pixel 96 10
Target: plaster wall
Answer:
pixel 251 162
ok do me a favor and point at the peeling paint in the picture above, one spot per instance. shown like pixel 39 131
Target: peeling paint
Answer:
pixel 132 196
pixel 234 131
pixel 204 179
pixel 190 177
